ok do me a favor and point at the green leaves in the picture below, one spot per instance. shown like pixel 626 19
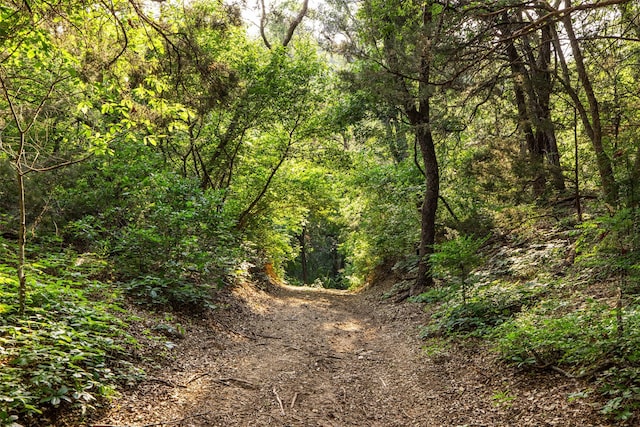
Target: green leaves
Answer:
pixel 59 352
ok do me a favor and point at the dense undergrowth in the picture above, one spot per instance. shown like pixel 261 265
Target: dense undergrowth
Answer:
pixel 553 296
pixel 78 342
pixel 67 348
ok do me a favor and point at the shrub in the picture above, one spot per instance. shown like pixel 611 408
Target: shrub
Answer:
pixel 456 258
pixel 62 350
pixel 491 305
pixel 585 342
pixel 611 246
pixel 159 291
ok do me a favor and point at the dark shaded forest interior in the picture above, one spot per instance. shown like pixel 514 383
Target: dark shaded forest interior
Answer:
pixel 330 212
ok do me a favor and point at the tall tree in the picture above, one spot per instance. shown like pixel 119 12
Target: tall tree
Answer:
pixel 589 110
pixel 43 100
pixel 401 41
pixel 532 80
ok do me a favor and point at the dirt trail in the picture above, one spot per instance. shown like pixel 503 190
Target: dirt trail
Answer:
pixel 307 357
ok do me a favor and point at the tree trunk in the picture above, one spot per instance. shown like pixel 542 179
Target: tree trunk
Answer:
pixel 533 87
pixel 428 210
pixel 591 122
pixel 544 87
pixel 22 238
pixel 421 120
pixel 417 109
pixel 303 255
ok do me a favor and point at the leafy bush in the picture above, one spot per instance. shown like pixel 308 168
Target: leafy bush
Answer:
pixel 621 387
pixel 611 245
pixel 457 257
pixel 586 342
pixel 151 290
pixel 491 305
pixel 62 350
pixel 582 337
pixel 433 295
pixel 166 237
pixel 173 228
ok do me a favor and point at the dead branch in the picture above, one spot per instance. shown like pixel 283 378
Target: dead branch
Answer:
pixel 237 382
pixel 271 337
pixel 197 377
pixel 177 421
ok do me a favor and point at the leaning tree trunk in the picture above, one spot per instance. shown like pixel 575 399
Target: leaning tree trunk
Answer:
pixel 590 119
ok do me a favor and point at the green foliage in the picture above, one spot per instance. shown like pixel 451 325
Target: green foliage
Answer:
pixel 435 295
pixel 565 339
pixel 170 241
pixel 176 243
pixel 611 246
pixel 588 342
pixel 382 215
pixel 503 398
pixel 457 257
pixel 621 388
pixel 161 292
pixel 63 350
pixel 490 305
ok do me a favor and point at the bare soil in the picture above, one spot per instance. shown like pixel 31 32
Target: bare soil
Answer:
pixel 311 357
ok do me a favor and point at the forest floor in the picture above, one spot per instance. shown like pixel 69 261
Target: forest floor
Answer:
pixel 316 357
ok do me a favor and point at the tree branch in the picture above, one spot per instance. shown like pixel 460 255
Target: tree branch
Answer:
pixel 295 22
pixel 58 165
pixel 263 24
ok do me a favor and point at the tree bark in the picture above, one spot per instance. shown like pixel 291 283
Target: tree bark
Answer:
pixel 524 118
pixel 544 86
pixel 420 118
pixel 22 233
pixel 533 87
pixel 428 209
pixel 591 122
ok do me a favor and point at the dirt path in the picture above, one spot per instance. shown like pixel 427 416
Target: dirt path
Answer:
pixel 305 357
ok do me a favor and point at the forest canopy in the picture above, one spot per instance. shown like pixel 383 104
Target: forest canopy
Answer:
pixel 158 151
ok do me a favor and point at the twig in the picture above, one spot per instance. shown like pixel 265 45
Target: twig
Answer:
pixel 279 401
pixel 178 421
pixel 165 382
pixel 237 381
pixel 240 334
pixel 271 337
pixel 586 374
pixel 293 401
pixel 197 377
pixel 383 383
pixel 563 372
